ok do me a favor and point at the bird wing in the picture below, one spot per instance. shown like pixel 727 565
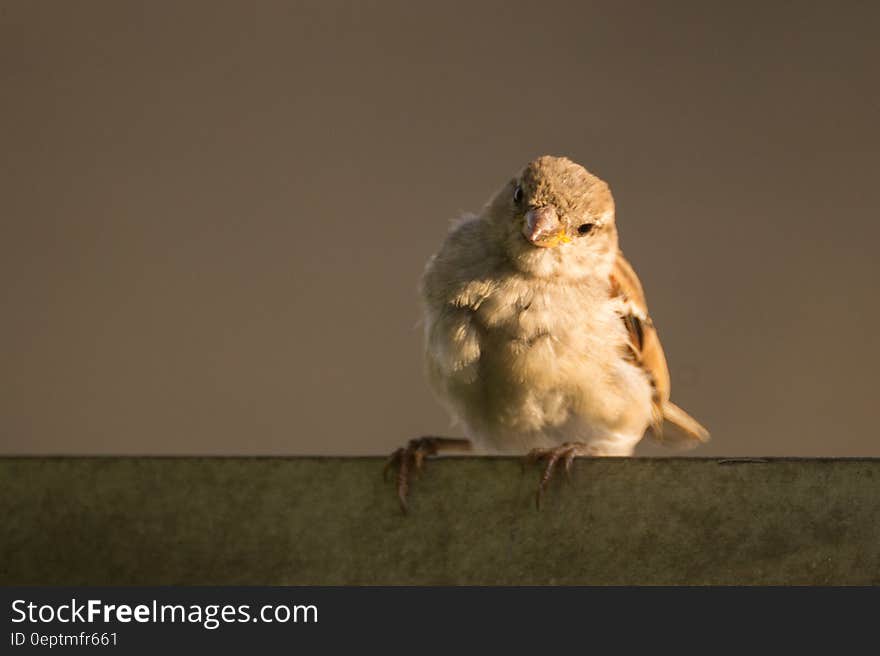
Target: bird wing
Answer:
pixel 644 350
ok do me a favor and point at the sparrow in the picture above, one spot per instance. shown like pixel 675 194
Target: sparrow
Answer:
pixel 537 334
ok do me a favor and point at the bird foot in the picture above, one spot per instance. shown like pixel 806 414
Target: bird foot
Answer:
pixel 409 460
pixel 564 453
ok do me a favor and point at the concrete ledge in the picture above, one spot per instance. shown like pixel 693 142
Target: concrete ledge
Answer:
pixel 292 521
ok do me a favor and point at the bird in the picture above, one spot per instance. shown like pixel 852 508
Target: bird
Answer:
pixel 537 336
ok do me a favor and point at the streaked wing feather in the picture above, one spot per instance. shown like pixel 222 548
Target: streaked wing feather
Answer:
pixel 645 350
pixel 644 341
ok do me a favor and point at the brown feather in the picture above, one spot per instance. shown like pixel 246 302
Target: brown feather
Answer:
pixel 645 350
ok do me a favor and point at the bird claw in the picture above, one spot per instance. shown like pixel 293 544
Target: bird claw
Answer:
pixel 566 452
pixel 409 461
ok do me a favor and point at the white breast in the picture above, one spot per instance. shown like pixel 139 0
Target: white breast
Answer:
pixel 551 370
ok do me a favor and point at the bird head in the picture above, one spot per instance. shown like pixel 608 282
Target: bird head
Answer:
pixel 556 219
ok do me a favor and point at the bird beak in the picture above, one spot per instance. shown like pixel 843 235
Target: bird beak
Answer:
pixel 543 228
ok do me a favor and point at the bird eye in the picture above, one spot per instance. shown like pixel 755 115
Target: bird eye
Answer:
pixel 584 228
pixel 517 195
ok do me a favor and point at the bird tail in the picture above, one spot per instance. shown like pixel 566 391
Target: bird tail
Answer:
pixel 679 429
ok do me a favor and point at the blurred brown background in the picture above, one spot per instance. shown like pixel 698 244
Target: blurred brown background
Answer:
pixel 213 215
